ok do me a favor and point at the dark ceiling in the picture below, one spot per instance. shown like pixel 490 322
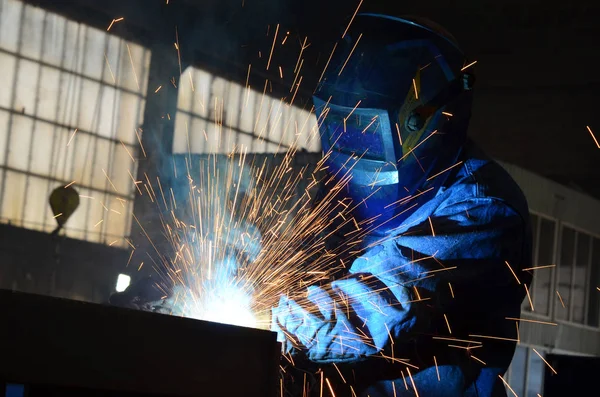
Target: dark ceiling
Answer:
pixel 537 65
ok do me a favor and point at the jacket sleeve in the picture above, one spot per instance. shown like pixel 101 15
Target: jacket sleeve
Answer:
pixel 385 299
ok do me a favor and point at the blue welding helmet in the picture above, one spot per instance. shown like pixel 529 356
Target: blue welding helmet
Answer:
pixel 393 108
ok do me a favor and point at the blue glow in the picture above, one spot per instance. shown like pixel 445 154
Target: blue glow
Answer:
pixel 14 390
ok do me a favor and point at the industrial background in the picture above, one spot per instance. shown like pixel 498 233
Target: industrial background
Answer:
pixel 115 103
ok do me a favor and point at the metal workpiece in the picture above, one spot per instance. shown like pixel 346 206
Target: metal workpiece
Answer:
pixel 62 347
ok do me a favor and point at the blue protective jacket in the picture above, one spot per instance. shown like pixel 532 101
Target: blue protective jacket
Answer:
pixel 430 306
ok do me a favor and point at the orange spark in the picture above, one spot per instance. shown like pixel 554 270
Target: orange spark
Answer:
pixel 101 220
pixel 447 323
pixel 548 364
pixel 436 368
pixel 349 55
pixel 352 19
pixel 133 68
pixel 106 175
pixel 468 66
pixel 475 358
pixel 507 385
pixel 415 87
pixel 561 299
pixel 431 224
pixel 110 69
pixel 412 381
pixel 158 89
pixel 592 134
pixel 327 64
pixel 529 297
pixel 140 141
pixel 273 46
pixel 447 114
pixel 513 273
pixel 113 22
pixel 57 215
pixel 447 169
pixel 127 150
pixel 538 267
pixel 280 72
pixel 72 136
pixel 339 372
pixel 70 184
pixel 493 337
pixel 530 321
pixel 451 290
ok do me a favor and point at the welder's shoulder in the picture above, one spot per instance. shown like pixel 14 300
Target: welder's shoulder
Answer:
pixel 481 177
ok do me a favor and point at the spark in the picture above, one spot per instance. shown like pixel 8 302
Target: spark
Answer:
pixel 451 290
pixel 140 141
pixel 113 22
pixel 592 134
pixel 415 87
pixel 349 55
pixel 113 243
pixel 547 363
pixel 507 385
pixel 127 150
pixel 352 19
pixel 280 72
pixel 101 220
pixel 538 267
pixel 88 197
pixel 468 66
pixel 339 372
pixel 561 299
pixel 447 114
pixel 529 297
pixel 456 340
pixel 191 80
pixel 530 321
pixel 70 184
pixel 177 47
pixel 475 358
pixel 412 381
pixel 447 323
pixel 415 148
pixel 447 169
pixel 273 46
pixel 493 337
pixel 106 175
pixel 133 67
pixel 431 225
pixel 72 136
pixel 399 135
pixel 110 69
pixel 57 215
pixel 513 273
pixel 158 89
pixel 327 64
pixel 436 368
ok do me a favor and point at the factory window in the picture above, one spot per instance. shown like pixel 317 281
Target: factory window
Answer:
pixel 565 273
pixel 71 100
pixel 215 115
pixel 535 374
pixel 543 230
pixel 594 286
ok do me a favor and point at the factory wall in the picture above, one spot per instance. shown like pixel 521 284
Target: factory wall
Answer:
pixel 561 314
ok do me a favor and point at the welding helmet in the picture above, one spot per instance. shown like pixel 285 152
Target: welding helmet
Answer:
pixel 393 106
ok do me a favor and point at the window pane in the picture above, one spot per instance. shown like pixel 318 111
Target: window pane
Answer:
pixel 543 277
pixel 565 268
pixel 535 374
pixel 594 284
pixel 580 277
pixel 533 219
pixel 518 367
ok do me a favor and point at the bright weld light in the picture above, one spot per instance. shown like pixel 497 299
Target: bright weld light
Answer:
pixel 123 282
pixel 229 305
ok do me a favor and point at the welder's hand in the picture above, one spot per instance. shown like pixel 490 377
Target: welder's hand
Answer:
pixel 299 322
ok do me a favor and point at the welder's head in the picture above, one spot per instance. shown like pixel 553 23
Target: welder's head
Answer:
pixel 393 107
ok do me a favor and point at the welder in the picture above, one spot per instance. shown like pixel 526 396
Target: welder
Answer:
pixel 430 304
